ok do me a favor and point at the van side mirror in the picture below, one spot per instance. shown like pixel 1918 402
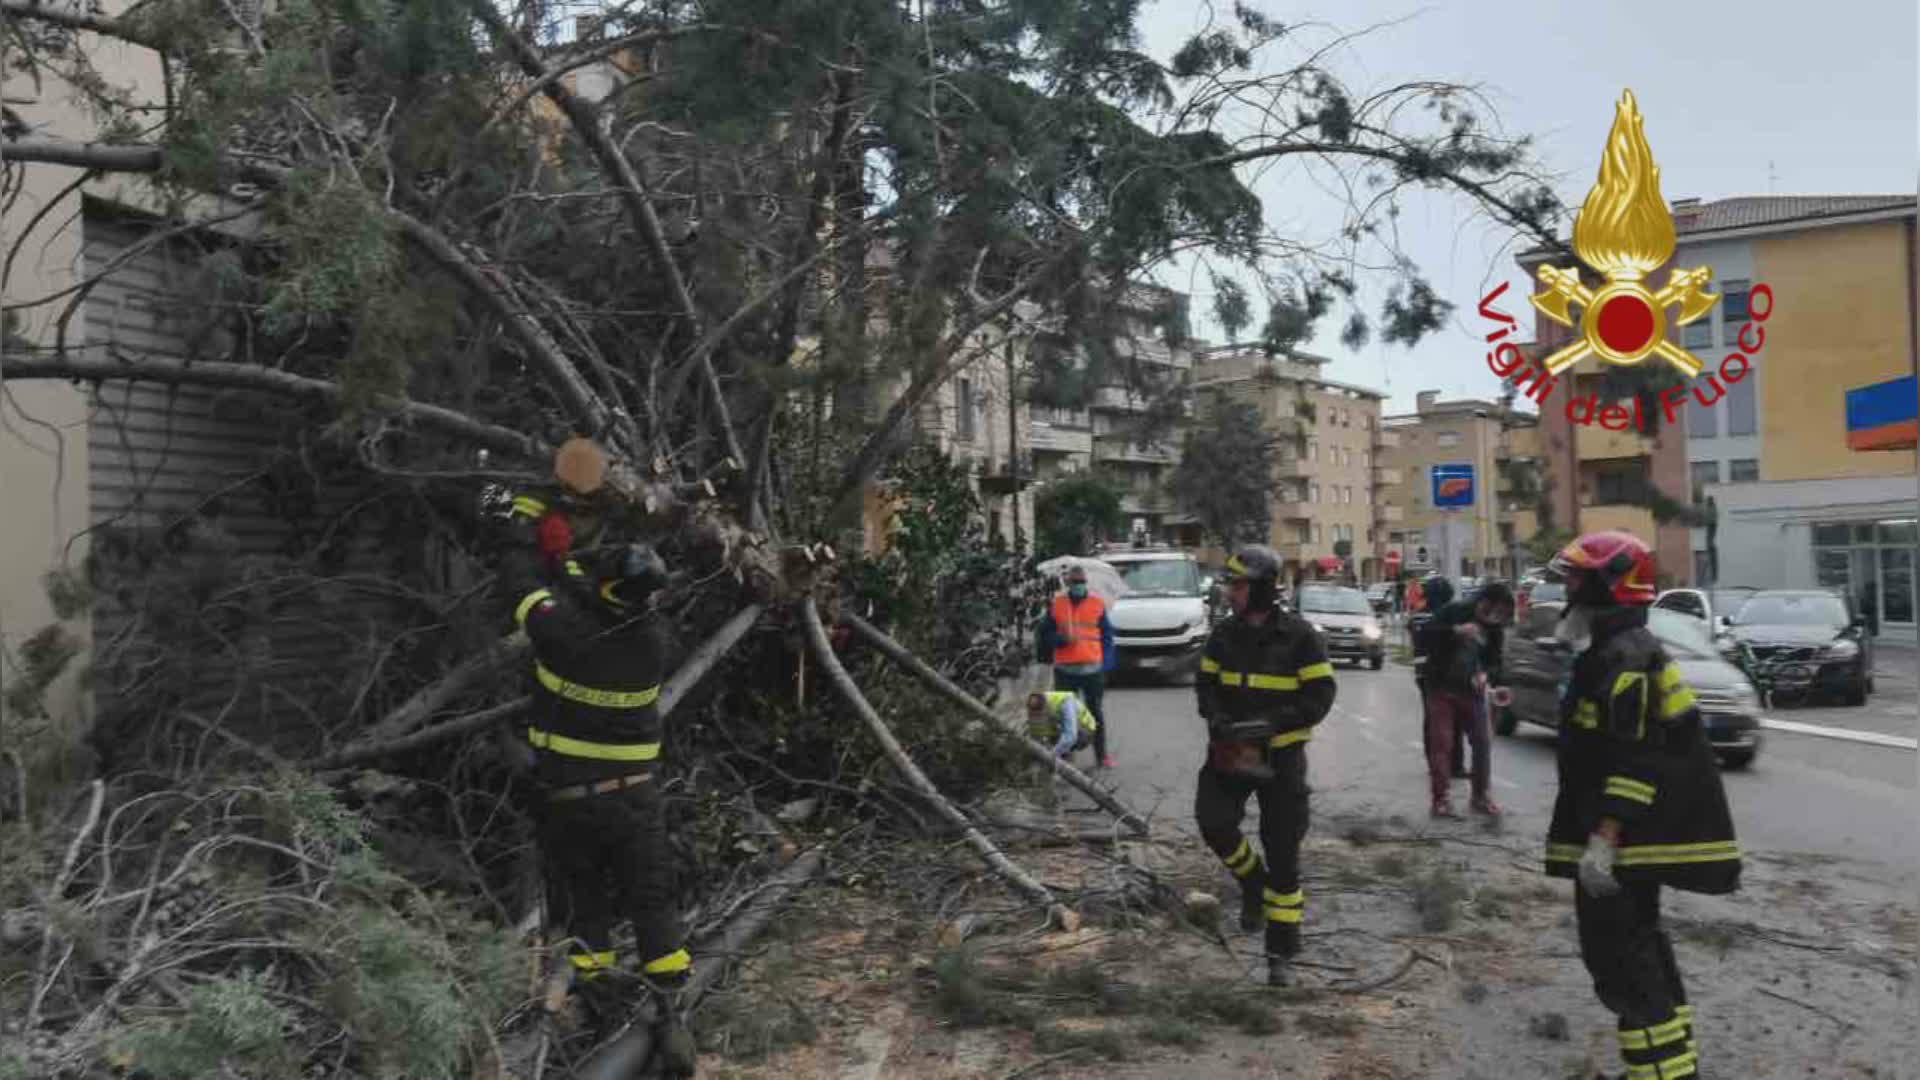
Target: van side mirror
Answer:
pixel 1550 644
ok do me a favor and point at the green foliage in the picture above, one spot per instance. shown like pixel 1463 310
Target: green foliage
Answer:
pixel 231 1026
pixel 1226 473
pixel 1073 513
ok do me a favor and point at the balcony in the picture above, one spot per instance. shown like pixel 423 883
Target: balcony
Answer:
pixel 1386 477
pixel 1146 502
pixel 1292 511
pixel 1123 448
pixel 1386 440
pixel 1047 438
pixel 1595 443
pixel 1116 399
pixel 1388 513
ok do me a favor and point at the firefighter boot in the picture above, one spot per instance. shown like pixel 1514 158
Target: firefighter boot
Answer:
pixel 1253 909
pixel 674 1053
pixel 1280 971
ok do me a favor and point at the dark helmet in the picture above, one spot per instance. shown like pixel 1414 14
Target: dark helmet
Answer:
pixel 1438 591
pixel 1260 566
pixel 623 574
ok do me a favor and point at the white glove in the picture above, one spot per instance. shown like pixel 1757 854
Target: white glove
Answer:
pixel 1596 868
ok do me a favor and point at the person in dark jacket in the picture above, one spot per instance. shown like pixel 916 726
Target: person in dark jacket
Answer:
pixel 1076 637
pixel 595 732
pixel 1264 683
pixel 1462 644
pixel 1436 592
pixel 1640 803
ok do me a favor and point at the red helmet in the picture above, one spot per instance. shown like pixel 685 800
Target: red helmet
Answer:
pixel 1620 560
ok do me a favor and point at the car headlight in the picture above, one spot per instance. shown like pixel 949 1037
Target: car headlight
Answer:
pixel 1842 650
pixel 1317 628
pixel 1371 631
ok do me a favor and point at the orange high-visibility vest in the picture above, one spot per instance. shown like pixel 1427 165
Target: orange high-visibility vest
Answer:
pixel 1079 626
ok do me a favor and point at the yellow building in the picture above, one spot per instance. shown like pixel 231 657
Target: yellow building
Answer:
pixel 1324 479
pixel 1481 539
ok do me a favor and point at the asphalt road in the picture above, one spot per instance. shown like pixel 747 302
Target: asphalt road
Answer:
pixel 1804 795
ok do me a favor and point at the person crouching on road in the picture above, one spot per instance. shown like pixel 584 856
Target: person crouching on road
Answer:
pixel 1264 684
pixel 1060 718
pixel 1461 642
pixel 1077 639
pixel 594 728
pixel 1640 803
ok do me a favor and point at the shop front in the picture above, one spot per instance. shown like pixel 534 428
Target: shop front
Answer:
pixel 1871 562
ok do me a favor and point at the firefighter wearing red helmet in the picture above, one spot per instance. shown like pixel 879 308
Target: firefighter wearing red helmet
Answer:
pixel 1640 803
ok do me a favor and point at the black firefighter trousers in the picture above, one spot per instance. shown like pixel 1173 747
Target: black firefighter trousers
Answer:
pixel 606 858
pixel 1219 803
pixel 1631 960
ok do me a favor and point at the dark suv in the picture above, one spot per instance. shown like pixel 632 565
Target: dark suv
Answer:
pixel 1806 641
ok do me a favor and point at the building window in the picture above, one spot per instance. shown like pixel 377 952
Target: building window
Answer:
pixel 1704 473
pixel 1743 471
pixel 1316 534
pixel 1703 422
pixel 1346 495
pixel 1447 438
pixel 1698 334
pixel 1733 306
pixel 963 409
pixel 1615 486
pixel 1742 414
pixel 1313 450
pixel 1313 493
pixel 1366 459
pixel 1702 568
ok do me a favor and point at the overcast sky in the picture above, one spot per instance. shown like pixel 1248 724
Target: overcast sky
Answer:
pixel 1739 98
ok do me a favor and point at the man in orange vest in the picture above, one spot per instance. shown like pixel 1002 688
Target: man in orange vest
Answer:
pixel 1076 638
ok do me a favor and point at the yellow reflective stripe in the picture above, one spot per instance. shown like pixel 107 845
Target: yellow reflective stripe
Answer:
pixel 1272 682
pixel 527 604
pixel 1321 670
pixel 1658 1035
pixel 1288 738
pixel 1679 1066
pixel 1209 664
pixel 1242 861
pixel 1676 703
pixel 528 505
pixel 1285 914
pixel 1234 565
pixel 594 961
pixel 1668 678
pixel 1683 1013
pixel 1625 682
pixel 1586 714
pixel 561 744
pixel 1655 854
pixel 677 960
pixel 1231 678
pixel 574 569
pixel 587 695
pixel 1626 787
pixel 1293 899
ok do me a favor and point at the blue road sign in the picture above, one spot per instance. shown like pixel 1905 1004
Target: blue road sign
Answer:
pixel 1452 486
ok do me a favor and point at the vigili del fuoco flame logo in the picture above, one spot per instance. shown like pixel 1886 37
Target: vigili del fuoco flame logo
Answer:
pixel 1625 231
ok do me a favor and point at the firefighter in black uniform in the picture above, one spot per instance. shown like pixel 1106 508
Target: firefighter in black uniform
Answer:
pixel 595 732
pixel 1640 802
pixel 1264 683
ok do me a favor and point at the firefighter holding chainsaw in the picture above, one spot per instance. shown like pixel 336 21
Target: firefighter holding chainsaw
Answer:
pixel 1640 804
pixel 1264 684
pixel 594 730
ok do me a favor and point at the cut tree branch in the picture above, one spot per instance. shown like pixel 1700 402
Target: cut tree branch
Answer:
pixel 270 380
pixel 967 701
pixel 1061 915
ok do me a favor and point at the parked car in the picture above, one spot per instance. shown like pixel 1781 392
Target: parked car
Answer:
pixel 1551 594
pixel 1538 668
pixel 1714 605
pixel 1380 596
pixel 1346 623
pixel 1806 641
pixel 1161 620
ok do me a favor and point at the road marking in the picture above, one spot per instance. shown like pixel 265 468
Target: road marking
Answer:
pixel 1871 737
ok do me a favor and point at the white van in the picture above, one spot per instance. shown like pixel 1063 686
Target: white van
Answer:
pixel 1160 624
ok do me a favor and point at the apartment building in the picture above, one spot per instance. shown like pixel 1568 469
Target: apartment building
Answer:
pixel 1325 518
pixel 1480 539
pixel 1142 468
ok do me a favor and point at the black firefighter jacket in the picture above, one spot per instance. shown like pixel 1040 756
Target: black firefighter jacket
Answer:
pixel 596 674
pixel 1276 672
pixel 1632 748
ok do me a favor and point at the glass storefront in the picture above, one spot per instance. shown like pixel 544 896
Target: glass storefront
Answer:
pixel 1873 562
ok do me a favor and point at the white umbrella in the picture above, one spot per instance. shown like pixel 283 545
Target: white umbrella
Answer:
pixel 1103 580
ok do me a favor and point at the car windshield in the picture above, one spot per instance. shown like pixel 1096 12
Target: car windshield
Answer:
pixel 1176 577
pixel 1334 601
pixel 1727 601
pixel 1683 635
pixel 1547 592
pixel 1790 609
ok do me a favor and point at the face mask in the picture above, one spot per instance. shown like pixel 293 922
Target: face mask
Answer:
pixel 1575 627
pixel 1078 592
